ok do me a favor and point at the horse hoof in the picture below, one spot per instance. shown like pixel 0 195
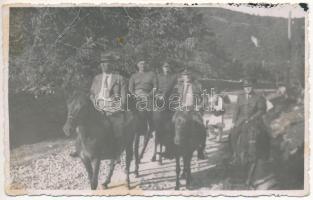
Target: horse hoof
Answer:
pixel 153 159
pixel 93 187
pixel 201 156
pixel 105 185
pixel 176 187
pixel 136 174
pixel 160 162
pixel 188 187
pixel 250 186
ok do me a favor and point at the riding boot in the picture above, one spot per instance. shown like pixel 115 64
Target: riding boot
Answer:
pixel 74 154
pixel 200 154
pixel 168 154
pixel 201 148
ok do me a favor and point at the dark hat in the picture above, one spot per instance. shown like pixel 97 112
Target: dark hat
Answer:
pixel 166 64
pixel 186 72
pixel 109 57
pixel 247 83
pixel 281 84
pixel 140 60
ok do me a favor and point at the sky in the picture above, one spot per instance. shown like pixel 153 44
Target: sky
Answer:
pixel 278 11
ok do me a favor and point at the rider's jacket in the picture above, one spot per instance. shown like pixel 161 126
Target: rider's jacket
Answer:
pixel 108 89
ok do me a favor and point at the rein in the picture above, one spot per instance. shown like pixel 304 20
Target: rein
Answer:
pixel 70 119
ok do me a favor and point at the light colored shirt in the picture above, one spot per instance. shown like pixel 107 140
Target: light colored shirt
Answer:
pixel 103 97
pixel 166 83
pixel 216 103
pixel 105 85
pixel 142 83
pixel 187 95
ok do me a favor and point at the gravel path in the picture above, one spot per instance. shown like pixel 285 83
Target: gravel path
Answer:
pixel 51 168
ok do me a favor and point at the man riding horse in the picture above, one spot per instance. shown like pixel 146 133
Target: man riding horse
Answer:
pixel 108 90
pixel 162 114
pixel 249 141
pixel 191 100
pixel 142 85
pixel 189 130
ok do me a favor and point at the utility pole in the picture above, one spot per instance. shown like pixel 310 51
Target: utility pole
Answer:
pixel 289 49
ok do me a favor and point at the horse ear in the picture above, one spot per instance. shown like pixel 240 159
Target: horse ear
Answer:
pixel 68 92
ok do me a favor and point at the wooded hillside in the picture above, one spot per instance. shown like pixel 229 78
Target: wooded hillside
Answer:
pixel 58 48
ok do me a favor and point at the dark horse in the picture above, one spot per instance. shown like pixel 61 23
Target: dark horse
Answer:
pixel 164 133
pixel 99 136
pixel 189 135
pixel 142 129
pixel 254 137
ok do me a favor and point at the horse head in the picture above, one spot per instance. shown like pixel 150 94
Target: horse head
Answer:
pixel 74 103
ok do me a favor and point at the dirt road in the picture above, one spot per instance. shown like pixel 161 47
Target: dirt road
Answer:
pixel 47 165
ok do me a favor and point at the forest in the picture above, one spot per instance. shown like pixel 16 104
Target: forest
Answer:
pixel 52 49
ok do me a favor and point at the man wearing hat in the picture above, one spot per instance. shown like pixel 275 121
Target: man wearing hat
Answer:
pixel 190 92
pixel 108 90
pixel 143 82
pixel 166 82
pixel 162 115
pixel 248 126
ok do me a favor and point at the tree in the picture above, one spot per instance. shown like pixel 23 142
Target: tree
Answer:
pixel 58 48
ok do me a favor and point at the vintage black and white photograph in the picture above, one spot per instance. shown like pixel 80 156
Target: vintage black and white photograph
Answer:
pixel 157 100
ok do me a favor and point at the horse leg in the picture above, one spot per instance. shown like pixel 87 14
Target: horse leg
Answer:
pixel 177 172
pixel 88 167
pixel 250 173
pixel 188 170
pixel 183 175
pixel 109 176
pixel 77 145
pixel 153 159
pixel 137 139
pixel 220 134
pixel 95 164
pixel 201 147
pixel 148 134
pixel 129 155
pixel 160 155
pixel 145 144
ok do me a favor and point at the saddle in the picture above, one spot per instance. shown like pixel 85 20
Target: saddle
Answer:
pixel 194 115
pixel 108 105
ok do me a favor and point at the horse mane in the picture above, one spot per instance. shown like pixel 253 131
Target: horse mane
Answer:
pixel 75 94
pixel 76 101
